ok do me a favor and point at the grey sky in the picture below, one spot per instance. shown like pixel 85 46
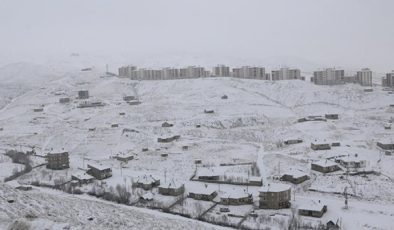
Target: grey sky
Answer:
pixel 349 33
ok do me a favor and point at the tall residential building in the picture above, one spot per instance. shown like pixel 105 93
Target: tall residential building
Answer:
pixel 127 71
pixel 249 72
pixel 364 77
pixel 170 73
pixel 285 74
pixel 388 81
pixel 329 76
pixel 221 71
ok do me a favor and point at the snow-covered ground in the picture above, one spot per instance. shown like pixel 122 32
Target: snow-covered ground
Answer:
pixel 250 126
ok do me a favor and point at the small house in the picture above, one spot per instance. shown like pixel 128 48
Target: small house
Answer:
pixel 368 90
pixel 166 125
pixel 185 147
pixel 224 97
pixel 64 100
pixel 352 162
pixel 320 146
pixel 332 226
pixel 295 176
pixel 38 110
pixel 207 174
pixel 293 141
pixel 129 98
pixel 146 182
pixel 235 197
pixel 134 102
pixel 387 125
pixel 325 166
pixel 172 188
pixel 386 145
pixel 82 178
pixel 114 125
pixel 312 208
pixel 99 172
pixel 208 111
pixel 168 139
pixel 275 196
pixel 206 194
pixel 332 116
pixel 58 160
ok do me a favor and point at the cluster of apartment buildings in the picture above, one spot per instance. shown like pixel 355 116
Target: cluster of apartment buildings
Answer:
pixel 332 76
pixel 329 76
pixel 247 72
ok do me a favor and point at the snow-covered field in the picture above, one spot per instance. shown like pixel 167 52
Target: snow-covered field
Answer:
pixel 249 126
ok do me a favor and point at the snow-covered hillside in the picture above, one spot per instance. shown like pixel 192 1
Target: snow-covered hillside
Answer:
pixel 251 125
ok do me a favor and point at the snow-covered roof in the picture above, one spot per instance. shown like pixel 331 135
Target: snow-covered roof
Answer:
pixel 295 173
pixel 207 172
pixel 234 194
pixel 147 179
pixel 312 206
pixel 325 163
pixel 274 187
pixel 171 184
pixel 99 166
pixel 203 190
pixel 82 176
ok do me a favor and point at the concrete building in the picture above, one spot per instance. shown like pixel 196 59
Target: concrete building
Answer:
pixel 294 176
pixel 170 73
pixel 234 197
pixel 320 146
pixel 312 208
pixel 58 160
pixel 249 72
pixel 325 166
pixel 221 71
pixel 352 162
pixel 99 172
pixel 206 194
pixel 329 76
pixel 83 94
pixel 126 71
pixel 275 196
pixel 146 182
pixel 82 178
pixel 364 77
pixel 285 74
pixel 386 144
pixel 172 188
pixel 64 100
pixel 388 81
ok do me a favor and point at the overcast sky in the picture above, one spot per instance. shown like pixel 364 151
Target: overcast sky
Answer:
pixel 349 33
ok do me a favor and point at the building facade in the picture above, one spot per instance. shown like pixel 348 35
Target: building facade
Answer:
pixel 221 71
pixel 285 74
pixel 388 81
pixel 249 72
pixel 364 77
pixel 275 196
pixel 328 76
pixel 58 161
